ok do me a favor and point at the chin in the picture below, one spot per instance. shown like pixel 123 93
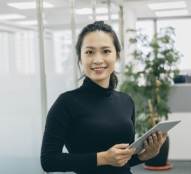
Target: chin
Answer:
pixel 98 78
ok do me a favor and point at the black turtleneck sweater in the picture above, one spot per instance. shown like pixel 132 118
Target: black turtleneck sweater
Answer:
pixel 87 120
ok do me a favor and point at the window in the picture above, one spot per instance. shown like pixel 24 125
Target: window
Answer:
pixel 25 49
pixel 182 39
pixel 4 56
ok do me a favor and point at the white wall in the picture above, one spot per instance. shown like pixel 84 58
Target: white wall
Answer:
pixel 179 137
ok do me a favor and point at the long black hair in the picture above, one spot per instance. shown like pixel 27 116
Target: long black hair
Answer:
pixel 98 25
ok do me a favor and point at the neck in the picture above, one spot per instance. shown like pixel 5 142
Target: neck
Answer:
pixel 103 83
pixel 99 89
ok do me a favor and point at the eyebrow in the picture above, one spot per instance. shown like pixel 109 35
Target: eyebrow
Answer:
pixel 101 47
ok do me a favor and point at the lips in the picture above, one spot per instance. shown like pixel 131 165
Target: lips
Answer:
pixel 99 68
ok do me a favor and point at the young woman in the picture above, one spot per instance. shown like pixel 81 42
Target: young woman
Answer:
pixel 94 122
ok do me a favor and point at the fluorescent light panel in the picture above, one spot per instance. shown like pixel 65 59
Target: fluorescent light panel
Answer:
pixel 105 17
pixel 101 10
pixel 85 11
pixel 167 5
pixel 11 16
pixel 171 13
pixel 28 5
pixel 29 22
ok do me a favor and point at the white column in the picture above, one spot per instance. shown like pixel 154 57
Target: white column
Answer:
pixel 94 10
pixel 129 23
pixel 39 10
pixel 73 28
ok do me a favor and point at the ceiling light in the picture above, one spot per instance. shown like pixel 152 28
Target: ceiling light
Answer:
pixel 84 11
pixel 28 5
pixel 11 16
pixel 105 17
pixel 167 5
pixel 114 16
pixel 171 13
pixel 101 10
pixel 31 22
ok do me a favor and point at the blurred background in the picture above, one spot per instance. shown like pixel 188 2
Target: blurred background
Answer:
pixel 38 63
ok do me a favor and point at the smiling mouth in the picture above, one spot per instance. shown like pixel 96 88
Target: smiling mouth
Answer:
pixel 101 68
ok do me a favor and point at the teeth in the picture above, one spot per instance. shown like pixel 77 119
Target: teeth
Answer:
pixel 99 68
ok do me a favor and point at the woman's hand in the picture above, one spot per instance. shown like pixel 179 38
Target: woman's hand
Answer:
pixel 152 146
pixel 118 155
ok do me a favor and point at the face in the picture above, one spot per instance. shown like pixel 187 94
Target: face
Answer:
pixel 98 57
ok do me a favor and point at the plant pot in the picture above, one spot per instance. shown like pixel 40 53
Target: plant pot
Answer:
pixel 162 157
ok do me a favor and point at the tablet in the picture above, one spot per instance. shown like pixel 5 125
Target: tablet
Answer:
pixel 163 126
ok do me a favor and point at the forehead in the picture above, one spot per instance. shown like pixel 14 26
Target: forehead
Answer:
pixel 97 39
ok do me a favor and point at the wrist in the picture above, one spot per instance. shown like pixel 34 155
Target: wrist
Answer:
pixel 143 156
pixel 101 159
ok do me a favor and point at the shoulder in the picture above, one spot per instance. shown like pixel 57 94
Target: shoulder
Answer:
pixel 68 96
pixel 124 96
pixel 66 102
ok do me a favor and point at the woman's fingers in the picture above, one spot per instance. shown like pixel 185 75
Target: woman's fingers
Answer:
pixel 123 156
pixel 160 137
pixel 146 145
pixel 123 161
pixel 127 151
pixel 117 155
pixel 165 135
pixel 150 140
pixel 155 139
pixel 153 144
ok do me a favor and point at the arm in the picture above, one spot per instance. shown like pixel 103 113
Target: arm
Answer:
pixel 101 159
pixel 58 124
pixel 136 158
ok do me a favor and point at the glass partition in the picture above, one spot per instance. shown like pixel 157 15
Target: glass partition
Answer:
pixel 20 89
pixel 20 113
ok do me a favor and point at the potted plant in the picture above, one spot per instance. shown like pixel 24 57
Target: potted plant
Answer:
pixel 148 80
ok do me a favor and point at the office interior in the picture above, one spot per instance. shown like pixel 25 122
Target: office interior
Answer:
pixel 38 63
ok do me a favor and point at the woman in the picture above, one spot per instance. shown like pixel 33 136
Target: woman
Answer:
pixel 94 122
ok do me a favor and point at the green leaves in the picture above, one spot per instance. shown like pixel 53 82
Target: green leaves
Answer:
pixel 157 65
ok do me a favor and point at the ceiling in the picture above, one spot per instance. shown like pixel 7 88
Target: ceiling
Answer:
pixel 143 11
pixel 59 16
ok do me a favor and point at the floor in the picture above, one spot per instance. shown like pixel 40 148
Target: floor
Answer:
pixel 179 167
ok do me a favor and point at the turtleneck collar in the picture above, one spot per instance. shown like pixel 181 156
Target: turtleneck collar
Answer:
pixel 98 90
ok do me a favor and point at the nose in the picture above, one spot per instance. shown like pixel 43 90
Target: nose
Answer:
pixel 98 59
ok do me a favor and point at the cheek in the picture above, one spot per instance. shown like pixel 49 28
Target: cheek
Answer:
pixel 86 64
pixel 112 61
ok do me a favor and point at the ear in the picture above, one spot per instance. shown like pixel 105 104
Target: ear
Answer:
pixel 118 56
pixel 80 61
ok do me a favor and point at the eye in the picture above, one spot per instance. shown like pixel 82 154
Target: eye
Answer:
pixel 107 51
pixel 89 52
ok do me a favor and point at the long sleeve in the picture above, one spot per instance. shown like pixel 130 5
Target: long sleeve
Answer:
pixel 58 123
pixel 134 159
pixel 87 120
